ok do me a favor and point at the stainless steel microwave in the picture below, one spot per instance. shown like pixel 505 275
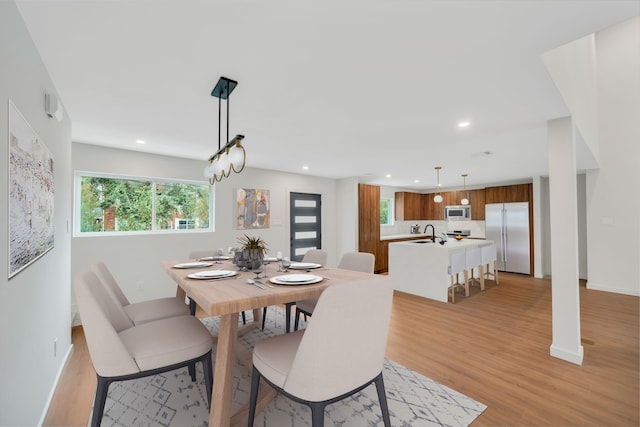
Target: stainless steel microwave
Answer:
pixel 457 213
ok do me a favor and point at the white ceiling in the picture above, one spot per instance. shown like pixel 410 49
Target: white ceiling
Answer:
pixel 348 88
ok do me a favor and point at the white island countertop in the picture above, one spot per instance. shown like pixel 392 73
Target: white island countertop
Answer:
pixel 423 268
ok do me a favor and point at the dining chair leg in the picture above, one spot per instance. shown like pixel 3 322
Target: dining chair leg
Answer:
pixel 253 397
pixel 192 307
pixel 192 371
pixel 317 413
pixel 264 316
pixel 382 397
pixel 297 320
pixel 481 277
pixel 101 398
pixel 495 271
pixel 207 368
pixel 244 319
pixel 287 316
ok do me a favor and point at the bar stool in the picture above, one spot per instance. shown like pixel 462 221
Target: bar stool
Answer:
pixel 473 260
pixel 489 256
pixel 457 265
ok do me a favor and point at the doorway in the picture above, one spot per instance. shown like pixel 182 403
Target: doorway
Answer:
pixel 305 224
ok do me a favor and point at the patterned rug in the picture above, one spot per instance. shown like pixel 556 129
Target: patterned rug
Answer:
pixel 171 399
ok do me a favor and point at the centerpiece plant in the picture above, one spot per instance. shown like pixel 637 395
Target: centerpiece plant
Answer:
pixel 253 248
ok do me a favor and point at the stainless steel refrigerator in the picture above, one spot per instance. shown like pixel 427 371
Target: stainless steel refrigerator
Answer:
pixel 507 224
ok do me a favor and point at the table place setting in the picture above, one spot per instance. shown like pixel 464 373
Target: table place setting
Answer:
pixel 304 265
pixel 212 274
pixel 296 279
pixel 197 264
pixel 215 258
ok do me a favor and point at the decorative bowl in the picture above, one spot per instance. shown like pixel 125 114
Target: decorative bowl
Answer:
pixel 458 237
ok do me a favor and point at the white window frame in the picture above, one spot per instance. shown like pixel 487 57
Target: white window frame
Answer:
pixel 78 175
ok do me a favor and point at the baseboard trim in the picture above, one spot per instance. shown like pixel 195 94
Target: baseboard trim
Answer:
pixel 569 356
pixel 55 384
pixel 623 291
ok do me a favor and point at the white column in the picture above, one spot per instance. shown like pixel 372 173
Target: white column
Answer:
pixel 564 241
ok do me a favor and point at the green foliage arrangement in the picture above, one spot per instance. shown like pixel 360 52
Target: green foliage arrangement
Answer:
pixel 251 242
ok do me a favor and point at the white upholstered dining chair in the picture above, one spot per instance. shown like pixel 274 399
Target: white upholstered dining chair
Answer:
pixel 356 261
pixel 140 312
pixel 339 353
pixel 121 350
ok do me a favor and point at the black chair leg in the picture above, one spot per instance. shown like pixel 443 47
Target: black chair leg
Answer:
pixel 192 371
pixel 264 316
pixel 208 376
pixel 287 316
pixel 317 414
pixel 253 397
pixel 382 397
pixel 192 307
pixel 244 319
pixel 99 401
pixel 297 321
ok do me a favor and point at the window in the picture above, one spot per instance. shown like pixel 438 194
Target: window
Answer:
pixel 386 211
pixel 114 204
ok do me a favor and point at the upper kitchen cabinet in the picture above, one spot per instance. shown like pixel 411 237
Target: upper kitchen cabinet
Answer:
pixel 410 206
pixel 509 193
pixel 477 202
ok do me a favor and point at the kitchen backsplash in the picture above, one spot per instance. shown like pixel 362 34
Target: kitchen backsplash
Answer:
pixel 404 227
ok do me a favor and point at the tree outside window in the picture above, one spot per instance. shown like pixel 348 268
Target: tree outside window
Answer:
pixel 124 205
pixel 386 211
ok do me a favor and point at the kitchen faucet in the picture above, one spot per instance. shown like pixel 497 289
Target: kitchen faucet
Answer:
pixel 433 232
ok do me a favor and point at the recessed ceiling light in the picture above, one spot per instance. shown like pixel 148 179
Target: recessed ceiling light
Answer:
pixel 416 181
pixel 463 124
pixel 305 167
pixel 388 175
pixel 140 141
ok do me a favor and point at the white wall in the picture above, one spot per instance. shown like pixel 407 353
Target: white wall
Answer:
pixel 347 204
pixel 613 202
pixel 135 260
pixel 34 304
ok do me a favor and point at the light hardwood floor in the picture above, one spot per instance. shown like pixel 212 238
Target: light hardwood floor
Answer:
pixel 492 346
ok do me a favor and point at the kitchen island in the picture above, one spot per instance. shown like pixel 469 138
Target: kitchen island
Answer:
pixel 420 267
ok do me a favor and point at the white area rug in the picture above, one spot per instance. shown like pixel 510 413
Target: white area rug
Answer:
pixel 171 399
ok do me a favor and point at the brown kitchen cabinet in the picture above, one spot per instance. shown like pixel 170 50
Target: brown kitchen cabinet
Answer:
pixel 509 193
pixel 369 222
pixel 383 253
pixel 409 206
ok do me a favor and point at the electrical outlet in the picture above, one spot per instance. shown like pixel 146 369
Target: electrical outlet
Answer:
pixel 55 347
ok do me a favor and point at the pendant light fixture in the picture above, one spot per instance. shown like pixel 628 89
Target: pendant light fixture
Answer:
pixel 438 197
pixel 465 199
pixel 232 156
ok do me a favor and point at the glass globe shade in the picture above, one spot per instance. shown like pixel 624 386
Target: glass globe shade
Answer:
pixel 237 157
pixel 464 201
pixel 437 198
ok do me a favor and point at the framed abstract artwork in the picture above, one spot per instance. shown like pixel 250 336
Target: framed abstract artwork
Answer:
pixel 31 194
pixel 251 208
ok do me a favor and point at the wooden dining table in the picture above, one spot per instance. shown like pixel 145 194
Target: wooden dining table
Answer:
pixel 226 297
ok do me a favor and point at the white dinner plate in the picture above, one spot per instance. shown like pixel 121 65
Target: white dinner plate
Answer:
pixel 215 258
pixel 192 265
pixel 304 265
pixel 295 279
pixel 212 274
